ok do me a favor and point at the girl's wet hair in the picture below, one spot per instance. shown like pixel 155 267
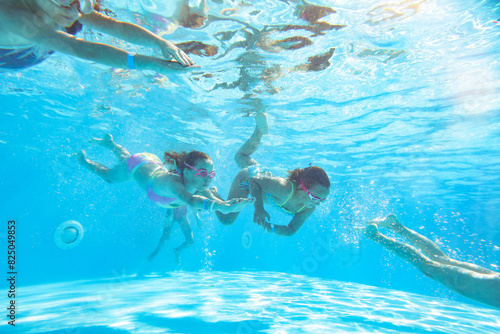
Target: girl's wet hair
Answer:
pixel 178 159
pixel 310 176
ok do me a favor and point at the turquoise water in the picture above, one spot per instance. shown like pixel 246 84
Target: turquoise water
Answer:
pixel 403 117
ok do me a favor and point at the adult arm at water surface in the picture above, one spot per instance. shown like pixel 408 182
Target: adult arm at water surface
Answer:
pixel 135 34
pixel 32 21
pixel 276 187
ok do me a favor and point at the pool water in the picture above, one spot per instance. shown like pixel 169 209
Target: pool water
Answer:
pixel 397 101
pixel 242 302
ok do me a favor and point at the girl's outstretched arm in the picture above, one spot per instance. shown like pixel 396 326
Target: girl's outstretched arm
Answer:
pixel 204 203
pixel 135 34
pixel 293 226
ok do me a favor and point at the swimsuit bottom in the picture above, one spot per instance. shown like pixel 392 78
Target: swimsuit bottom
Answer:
pixel 180 212
pixel 136 161
pixel 17 59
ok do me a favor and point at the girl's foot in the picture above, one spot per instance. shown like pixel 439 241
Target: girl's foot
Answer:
pixel 261 123
pixel 371 231
pixel 391 222
pixel 106 141
pixel 152 256
pixel 81 157
pixel 177 255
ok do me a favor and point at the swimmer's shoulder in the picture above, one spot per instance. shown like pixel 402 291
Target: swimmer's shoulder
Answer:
pixel 169 179
pixel 167 184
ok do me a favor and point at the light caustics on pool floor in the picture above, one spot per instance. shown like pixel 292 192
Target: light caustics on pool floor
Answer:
pixel 240 302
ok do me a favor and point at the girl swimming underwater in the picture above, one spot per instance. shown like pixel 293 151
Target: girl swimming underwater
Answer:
pixel 173 190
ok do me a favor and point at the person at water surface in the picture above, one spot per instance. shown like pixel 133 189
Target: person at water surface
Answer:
pixel 298 195
pixel 187 184
pixel 469 280
pixel 31 30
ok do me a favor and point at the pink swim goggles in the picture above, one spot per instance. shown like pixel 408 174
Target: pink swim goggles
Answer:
pixel 202 172
pixel 313 198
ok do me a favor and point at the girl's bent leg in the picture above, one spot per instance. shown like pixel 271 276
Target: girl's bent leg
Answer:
pixel 243 155
pixel 107 142
pixel 238 190
pixel 167 231
pixel 119 173
pixel 186 229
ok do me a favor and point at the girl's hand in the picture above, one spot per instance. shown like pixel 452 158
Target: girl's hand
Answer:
pixel 259 217
pixel 169 51
pixel 235 205
pixel 158 65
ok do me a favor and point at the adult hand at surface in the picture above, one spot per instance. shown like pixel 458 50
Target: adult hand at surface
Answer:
pixel 62 12
pixel 169 50
pixel 158 65
pixel 86 6
pixel 83 6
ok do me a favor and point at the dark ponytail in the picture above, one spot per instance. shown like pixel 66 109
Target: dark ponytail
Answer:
pixel 177 159
pixel 310 176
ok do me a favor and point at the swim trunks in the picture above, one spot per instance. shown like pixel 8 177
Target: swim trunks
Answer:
pixel 17 58
pixel 138 160
pixel 180 212
pixel 253 170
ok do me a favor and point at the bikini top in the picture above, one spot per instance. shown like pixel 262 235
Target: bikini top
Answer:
pixel 281 207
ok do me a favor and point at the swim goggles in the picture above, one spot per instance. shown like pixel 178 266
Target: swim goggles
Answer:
pixel 313 198
pixel 84 6
pixel 202 172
